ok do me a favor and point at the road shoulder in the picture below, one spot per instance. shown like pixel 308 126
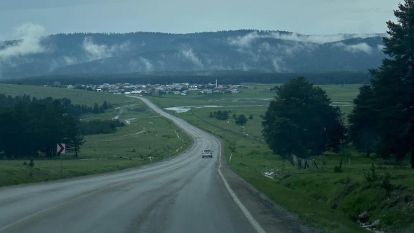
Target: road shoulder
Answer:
pixel 271 217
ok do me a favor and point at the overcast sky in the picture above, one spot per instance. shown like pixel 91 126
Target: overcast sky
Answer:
pixel 181 16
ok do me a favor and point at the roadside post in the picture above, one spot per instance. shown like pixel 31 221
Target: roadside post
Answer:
pixel 61 149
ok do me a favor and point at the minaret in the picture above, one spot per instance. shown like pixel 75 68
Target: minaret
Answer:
pixel 216 83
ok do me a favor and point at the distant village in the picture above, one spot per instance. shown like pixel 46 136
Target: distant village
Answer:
pixel 162 89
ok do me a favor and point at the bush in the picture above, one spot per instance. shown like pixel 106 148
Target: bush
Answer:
pixel 220 115
pixel 386 183
pixel 371 175
pixel 100 126
pixel 338 168
pixel 241 120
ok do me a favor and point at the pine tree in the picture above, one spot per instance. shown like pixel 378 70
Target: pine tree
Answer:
pixel 362 131
pixel 393 89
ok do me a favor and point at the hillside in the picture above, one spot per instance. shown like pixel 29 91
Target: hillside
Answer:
pixel 149 53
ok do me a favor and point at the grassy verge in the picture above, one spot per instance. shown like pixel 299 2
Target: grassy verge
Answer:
pixel 145 138
pixel 328 199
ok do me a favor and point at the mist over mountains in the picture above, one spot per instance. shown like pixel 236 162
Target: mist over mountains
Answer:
pixel 38 54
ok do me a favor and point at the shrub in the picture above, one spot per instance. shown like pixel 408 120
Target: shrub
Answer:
pixel 241 120
pixel 386 183
pixel 100 126
pixel 371 175
pixel 338 168
pixel 220 115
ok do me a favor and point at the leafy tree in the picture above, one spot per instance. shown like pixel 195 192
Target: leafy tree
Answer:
pixel 392 95
pixel 241 120
pixel 301 121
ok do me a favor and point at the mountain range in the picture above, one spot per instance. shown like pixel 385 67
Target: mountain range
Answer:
pixel 151 53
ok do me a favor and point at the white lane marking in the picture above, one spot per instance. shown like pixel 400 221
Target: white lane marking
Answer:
pixel 245 211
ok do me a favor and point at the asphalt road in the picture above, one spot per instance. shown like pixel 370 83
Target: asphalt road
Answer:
pixel 184 194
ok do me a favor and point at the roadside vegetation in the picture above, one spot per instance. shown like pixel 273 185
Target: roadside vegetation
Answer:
pixel 358 183
pixel 43 123
pixel 361 184
pixel 118 133
pixel 331 196
pixel 100 126
pixel 339 156
pixel 225 116
pixel 301 122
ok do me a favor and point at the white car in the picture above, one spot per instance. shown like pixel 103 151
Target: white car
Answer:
pixel 207 154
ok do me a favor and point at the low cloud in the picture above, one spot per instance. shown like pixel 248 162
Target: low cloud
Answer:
pixel 247 40
pixel 381 48
pixel 96 51
pixel 319 39
pixel 244 67
pixel 146 65
pixel 140 65
pixel 277 64
pixel 288 50
pixel 29 37
pixel 69 60
pixel 190 55
pixel 356 48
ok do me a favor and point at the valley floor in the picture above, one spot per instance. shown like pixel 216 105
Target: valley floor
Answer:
pixel 328 199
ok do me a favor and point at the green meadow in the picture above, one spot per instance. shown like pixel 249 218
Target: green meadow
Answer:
pixel 329 199
pixel 145 138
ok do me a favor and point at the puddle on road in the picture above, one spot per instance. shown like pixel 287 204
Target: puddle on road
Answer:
pixel 182 109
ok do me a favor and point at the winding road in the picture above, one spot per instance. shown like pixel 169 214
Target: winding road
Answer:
pixel 180 195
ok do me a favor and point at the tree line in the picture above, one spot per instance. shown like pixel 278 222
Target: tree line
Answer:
pixel 301 121
pixel 32 127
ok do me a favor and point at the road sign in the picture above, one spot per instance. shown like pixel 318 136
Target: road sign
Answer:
pixel 61 148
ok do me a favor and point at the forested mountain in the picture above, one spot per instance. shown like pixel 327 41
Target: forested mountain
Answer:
pixel 143 52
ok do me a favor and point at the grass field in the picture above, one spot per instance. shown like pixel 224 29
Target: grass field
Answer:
pixel 327 199
pixel 75 95
pixel 145 138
